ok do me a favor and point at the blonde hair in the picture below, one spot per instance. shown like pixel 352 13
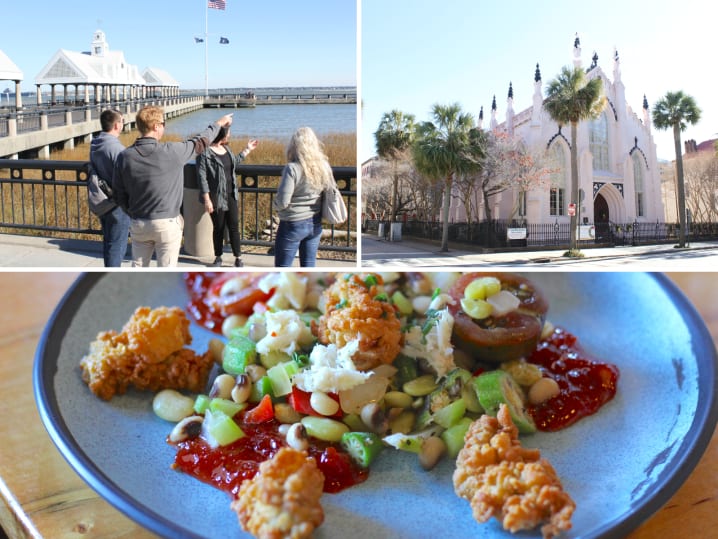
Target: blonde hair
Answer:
pixel 147 117
pixel 307 150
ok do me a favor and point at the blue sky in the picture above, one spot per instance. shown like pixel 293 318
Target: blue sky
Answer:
pixel 417 52
pixel 277 43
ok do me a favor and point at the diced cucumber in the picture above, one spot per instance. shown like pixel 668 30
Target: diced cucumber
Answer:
pixel 451 414
pixel 402 303
pixel 281 383
pixel 227 406
pixel 219 429
pixel 272 358
pixel 454 436
pixel 260 388
pixel 238 353
pixel 201 403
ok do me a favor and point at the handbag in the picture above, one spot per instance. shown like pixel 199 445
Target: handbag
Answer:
pixel 334 211
pixel 99 195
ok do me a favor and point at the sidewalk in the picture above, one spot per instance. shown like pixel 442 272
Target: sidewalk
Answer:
pixel 411 252
pixel 36 252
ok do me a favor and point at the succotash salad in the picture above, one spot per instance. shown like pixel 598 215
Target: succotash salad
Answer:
pixel 346 366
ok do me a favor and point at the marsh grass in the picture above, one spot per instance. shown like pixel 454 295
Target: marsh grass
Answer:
pixel 65 206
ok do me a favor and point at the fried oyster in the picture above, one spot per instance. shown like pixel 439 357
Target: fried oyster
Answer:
pixel 502 479
pixel 357 309
pixel 282 500
pixel 149 354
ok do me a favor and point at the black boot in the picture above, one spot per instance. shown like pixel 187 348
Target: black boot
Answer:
pixel 238 263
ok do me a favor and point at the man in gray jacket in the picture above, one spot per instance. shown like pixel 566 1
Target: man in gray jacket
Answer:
pixel 148 182
pixel 104 150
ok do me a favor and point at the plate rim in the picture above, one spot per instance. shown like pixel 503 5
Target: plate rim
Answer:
pixel 684 461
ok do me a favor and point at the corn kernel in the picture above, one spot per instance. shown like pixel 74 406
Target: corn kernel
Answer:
pixel 482 288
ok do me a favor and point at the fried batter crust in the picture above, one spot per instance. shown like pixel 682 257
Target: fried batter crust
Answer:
pixel 282 500
pixel 148 354
pixel 502 479
pixel 352 313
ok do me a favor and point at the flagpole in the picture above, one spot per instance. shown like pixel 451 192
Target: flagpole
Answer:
pixel 206 48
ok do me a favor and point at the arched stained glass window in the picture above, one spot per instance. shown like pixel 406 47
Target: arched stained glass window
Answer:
pixel 598 142
pixel 557 163
pixel 638 167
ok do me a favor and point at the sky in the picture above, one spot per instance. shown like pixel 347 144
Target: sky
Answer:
pixel 415 53
pixel 276 43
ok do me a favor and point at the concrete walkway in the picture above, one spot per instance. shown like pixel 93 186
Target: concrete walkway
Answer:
pixel 36 252
pixel 407 252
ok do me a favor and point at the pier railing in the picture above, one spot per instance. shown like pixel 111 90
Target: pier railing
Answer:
pixel 49 198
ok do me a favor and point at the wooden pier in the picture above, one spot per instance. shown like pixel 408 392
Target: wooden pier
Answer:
pixel 244 100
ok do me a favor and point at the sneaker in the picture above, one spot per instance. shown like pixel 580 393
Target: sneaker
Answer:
pixel 217 262
pixel 238 263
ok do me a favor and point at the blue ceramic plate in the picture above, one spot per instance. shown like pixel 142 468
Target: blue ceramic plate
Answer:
pixel 619 465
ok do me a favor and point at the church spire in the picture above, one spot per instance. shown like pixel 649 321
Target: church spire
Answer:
pixel 481 118
pixel 616 66
pixel 493 123
pixel 537 74
pixel 510 111
pixel 646 113
pixel 537 99
pixel 577 52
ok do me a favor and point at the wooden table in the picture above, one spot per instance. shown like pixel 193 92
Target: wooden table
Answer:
pixel 43 497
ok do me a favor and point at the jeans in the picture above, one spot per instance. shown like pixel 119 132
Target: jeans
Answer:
pixel 298 235
pixel 222 220
pixel 161 235
pixel 115 231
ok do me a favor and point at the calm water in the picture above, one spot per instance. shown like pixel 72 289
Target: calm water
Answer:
pixel 276 122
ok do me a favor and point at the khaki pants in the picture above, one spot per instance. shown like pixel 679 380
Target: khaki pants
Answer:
pixel 163 236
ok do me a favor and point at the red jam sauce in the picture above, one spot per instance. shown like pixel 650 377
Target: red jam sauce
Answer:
pixel 198 284
pixel 227 467
pixel 209 309
pixel 585 384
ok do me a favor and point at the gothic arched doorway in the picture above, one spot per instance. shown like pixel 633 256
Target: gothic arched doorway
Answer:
pixel 601 217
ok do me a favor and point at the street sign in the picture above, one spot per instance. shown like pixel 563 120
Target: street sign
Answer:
pixel 572 209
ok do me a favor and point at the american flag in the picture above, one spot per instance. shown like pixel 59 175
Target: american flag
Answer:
pixel 217 4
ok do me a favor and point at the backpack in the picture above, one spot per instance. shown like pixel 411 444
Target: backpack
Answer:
pixel 334 211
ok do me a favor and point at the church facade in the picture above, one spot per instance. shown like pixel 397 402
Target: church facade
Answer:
pixel 619 175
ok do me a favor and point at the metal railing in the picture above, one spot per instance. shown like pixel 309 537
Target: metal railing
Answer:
pixel 51 197
pixel 495 234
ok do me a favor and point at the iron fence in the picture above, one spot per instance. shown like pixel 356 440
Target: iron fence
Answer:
pixel 51 196
pixel 520 234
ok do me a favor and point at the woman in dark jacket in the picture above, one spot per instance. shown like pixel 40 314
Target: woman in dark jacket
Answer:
pixel 216 169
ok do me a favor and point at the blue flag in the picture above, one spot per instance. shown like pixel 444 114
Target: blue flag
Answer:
pixel 223 41
pixel 198 40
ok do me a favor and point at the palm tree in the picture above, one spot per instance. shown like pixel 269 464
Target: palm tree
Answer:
pixel 446 147
pixel 676 110
pixel 570 99
pixel 393 138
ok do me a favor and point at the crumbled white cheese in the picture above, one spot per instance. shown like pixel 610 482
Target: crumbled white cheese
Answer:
pixel 290 290
pixel 286 332
pixel 440 301
pixel 331 370
pixel 435 346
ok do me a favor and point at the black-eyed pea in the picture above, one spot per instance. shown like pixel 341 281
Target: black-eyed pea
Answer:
pixel 297 437
pixel 187 429
pixel 543 390
pixel 242 388
pixel 255 372
pixel 431 452
pixel 374 418
pixel 222 386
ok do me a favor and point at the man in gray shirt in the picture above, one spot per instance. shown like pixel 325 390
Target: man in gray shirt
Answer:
pixel 104 150
pixel 148 182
